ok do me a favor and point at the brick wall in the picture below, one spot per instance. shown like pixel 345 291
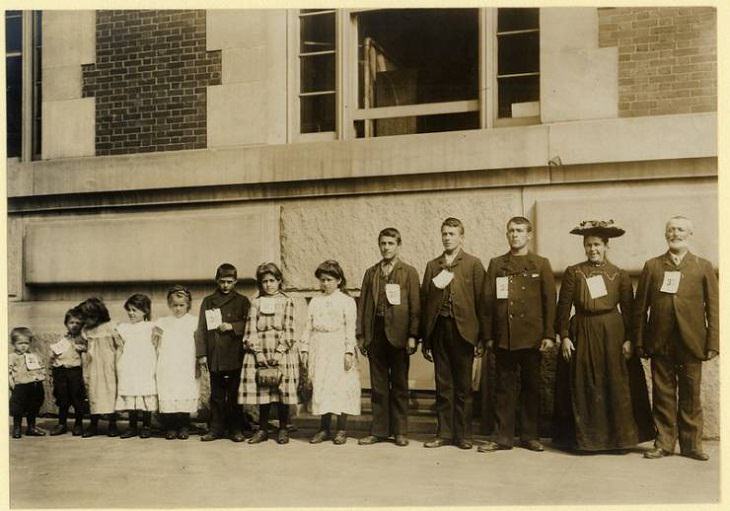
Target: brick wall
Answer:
pixel 149 81
pixel 667 58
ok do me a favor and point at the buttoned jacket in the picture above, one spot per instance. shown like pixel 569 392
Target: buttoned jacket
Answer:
pixel 224 350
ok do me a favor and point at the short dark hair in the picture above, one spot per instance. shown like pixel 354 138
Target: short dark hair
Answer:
pixel 179 292
pixel 226 270
pixel 390 232
pixel 333 269
pixel 520 220
pixel 267 269
pixel 140 302
pixel 73 313
pixel 94 308
pixel 19 331
pixel 453 222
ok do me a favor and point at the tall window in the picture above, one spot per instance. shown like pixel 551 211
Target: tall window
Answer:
pixel 379 72
pixel 23 83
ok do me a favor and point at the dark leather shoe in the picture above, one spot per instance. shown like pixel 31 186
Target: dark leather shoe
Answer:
pixel 129 433
pixel 532 445
pixel 436 442
pixel 401 440
pixel 464 444
pixel 170 434
pixel 145 432
pixel 283 436
pixel 340 438
pixel 183 434
pixel 655 453
pixel 490 446
pixel 258 437
pixel 113 431
pixel 697 455
pixel 89 432
pixel 17 433
pixel 59 430
pixel 78 430
pixel 34 432
pixel 209 437
pixel 237 437
pixel 369 440
pixel 320 436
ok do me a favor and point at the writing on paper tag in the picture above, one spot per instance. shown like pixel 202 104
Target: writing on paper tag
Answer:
pixel 267 305
pixel 596 286
pixel 392 293
pixel 213 318
pixel 502 285
pixel 32 361
pixel 60 347
pixel 671 282
pixel 443 279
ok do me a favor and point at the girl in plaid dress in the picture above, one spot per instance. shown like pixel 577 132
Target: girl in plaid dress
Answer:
pixel 269 342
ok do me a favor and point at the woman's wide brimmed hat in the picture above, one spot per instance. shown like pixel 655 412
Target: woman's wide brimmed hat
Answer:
pixel 600 228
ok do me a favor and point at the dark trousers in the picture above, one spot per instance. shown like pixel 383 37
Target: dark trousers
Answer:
pixel 26 399
pixel 669 370
pixel 389 382
pixel 68 389
pixel 453 358
pixel 225 412
pixel 518 383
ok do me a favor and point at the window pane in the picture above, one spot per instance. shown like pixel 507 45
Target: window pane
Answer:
pixel 420 124
pixel 317 33
pixel 517 19
pixel 412 56
pixel 13 96
pixel 515 91
pixel 317 113
pixel 519 53
pixel 317 73
pixel 13 31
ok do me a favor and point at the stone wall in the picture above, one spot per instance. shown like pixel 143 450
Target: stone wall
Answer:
pixel 150 81
pixel 667 58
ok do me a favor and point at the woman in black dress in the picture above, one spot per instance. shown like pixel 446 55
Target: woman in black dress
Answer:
pixel 601 399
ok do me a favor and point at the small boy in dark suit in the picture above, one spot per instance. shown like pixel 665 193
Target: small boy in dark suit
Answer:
pixel 68 380
pixel 26 375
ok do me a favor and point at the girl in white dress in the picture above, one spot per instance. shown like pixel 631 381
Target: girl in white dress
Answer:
pixel 136 365
pixel 177 386
pixel 328 351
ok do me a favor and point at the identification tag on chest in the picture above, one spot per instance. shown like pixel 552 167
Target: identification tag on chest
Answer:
pixel 60 347
pixel 443 279
pixel 502 285
pixel 596 286
pixel 392 293
pixel 267 305
pixel 213 318
pixel 32 361
pixel 671 282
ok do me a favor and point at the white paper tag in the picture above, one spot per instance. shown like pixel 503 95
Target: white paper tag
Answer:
pixel 213 318
pixel 61 346
pixel 32 361
pixel 671 282
pixel 502 285
pixel 392 292
pixel 443 279
pixel 596 286
pixel 267 305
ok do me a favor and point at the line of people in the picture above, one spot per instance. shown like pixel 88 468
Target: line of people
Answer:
pixel 458 311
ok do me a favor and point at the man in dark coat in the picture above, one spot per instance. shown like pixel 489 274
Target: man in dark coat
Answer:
pixel 677 326
pixel 218 344
pixel 520 300
pixel 452 324
pixel 387 329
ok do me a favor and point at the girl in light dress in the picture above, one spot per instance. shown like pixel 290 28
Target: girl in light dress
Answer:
pixel 269 342
pixel 328 352
pixel 177 386
pixel 136 366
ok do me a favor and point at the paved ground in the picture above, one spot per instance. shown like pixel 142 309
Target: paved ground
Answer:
pixel 65 471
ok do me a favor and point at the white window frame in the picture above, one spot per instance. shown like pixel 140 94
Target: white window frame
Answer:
pixel 346 100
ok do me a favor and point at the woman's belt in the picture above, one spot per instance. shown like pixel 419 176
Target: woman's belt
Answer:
pixel 596 313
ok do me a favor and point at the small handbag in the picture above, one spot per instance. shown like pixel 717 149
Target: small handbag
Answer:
pixel 304 388
pixel 268 376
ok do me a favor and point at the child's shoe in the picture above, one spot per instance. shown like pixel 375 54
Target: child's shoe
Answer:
pixel 283 436
pixel 113 430
pixel 78 430
pixel 183 434
pixel 171 434
pixel 90 431
pixel 127 434
pixel 145 432
pixel 60 429
pixel 340 438
pixel 16 432
pixel 34 431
